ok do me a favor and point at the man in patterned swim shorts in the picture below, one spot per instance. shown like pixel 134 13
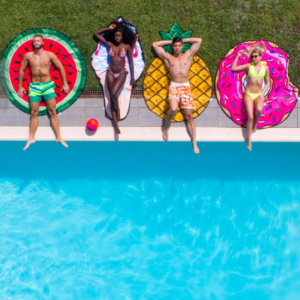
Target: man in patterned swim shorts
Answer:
pixel 180 92
pixel 42 86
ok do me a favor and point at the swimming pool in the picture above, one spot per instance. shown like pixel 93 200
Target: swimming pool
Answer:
pixel 109 220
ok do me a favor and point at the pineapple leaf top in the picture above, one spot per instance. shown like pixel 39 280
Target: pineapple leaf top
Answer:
pixel 176 31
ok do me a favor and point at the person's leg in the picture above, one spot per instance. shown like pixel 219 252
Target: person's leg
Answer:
pixel 117 86
pixel 54 121
pixel 191 128
pixel 173 108
pixel 110 80
pixel 34 110
pixel 249 108
pixel 259 104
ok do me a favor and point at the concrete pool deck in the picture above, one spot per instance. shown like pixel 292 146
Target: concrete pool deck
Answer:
pixel 140 124
pixel 145 134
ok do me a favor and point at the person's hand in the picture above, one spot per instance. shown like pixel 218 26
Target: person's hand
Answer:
pixel 133 83
pixel 65 88
pixel 261 96
pixel 241 52
pixel 21 90
pixel 112 26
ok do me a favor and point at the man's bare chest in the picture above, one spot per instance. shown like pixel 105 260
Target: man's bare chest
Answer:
pixel 39 62
pixel 179 63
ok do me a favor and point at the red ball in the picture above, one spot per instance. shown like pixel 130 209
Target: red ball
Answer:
pixel 92 124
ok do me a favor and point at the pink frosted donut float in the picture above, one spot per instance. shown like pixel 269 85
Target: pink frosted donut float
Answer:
pixel 279 100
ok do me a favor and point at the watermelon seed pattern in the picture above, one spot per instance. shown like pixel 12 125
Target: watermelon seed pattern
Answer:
pixel 66 52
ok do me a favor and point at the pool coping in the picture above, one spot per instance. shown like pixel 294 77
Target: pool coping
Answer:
pixel 145 134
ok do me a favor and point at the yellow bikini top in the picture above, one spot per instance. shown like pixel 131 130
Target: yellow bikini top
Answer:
pixel 261 74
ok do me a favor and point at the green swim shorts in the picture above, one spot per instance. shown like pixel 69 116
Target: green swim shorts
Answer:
pixel 39 90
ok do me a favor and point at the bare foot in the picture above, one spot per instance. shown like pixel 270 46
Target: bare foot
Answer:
pixel 196 149
pixel 29 142
pixel 165 134
pixel 249 146
pixel 254 129
pixel 60 140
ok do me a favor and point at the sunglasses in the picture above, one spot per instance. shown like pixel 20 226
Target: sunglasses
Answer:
pixel 254 56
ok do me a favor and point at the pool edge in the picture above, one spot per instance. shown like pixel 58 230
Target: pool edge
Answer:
pixel 145 134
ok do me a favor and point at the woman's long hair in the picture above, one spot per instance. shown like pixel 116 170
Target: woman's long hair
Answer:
pixel 128 34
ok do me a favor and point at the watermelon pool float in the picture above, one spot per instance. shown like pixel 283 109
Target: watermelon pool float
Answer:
pixel 67 53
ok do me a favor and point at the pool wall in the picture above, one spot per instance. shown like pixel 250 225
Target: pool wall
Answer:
pixel 140 124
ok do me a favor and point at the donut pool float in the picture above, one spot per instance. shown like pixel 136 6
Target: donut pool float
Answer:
pixel 279 100
pixel 67 53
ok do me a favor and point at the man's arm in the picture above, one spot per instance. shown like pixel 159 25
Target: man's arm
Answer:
pixel 158 48
pixel 59 65
pixel 24 65
pixel 196 43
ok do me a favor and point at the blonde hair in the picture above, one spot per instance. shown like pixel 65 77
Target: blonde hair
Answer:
pixel 260 49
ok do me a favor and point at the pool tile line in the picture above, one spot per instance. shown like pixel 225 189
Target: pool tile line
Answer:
pixel 144 134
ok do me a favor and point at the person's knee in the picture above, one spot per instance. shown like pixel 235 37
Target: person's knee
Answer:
pixel 173 110
pixel 34 112
pixel 52 112
pixel 114 95
pixel 250 118
pixel 189 117
pixel 173 102
pixel 259 111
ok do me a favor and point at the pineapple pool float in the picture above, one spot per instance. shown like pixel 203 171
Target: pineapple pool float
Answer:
pixel 157 80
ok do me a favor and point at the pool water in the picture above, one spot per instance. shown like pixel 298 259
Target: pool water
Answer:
pixel 112 220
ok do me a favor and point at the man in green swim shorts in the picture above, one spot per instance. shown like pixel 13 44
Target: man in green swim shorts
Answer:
pixel 42 86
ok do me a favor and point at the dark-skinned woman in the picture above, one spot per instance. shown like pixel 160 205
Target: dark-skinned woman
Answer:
pixel 120 41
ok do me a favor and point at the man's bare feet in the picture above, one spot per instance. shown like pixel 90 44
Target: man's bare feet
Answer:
pixel 254 129
pixel 29 142
pixel 165 134
pixel 249 146
pixel 60 140
pixel 196 149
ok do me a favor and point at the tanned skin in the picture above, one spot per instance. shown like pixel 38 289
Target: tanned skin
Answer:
pixel 179 65
pixel 40 61
pixel 254 86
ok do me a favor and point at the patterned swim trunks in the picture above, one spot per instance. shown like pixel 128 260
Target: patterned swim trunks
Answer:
pixel 182 92
pixel 39 90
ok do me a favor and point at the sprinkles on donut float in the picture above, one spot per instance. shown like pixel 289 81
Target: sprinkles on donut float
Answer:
pixel 279 100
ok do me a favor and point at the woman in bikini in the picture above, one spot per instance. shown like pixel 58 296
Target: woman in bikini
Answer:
pixel 120 41
pixel 254 95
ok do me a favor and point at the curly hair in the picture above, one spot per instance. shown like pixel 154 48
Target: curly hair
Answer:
pixel 128 35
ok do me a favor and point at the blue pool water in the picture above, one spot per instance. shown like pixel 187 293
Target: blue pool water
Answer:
pixel 149 221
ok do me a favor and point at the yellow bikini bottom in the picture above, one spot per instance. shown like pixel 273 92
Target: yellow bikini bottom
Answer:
pixel 253 96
